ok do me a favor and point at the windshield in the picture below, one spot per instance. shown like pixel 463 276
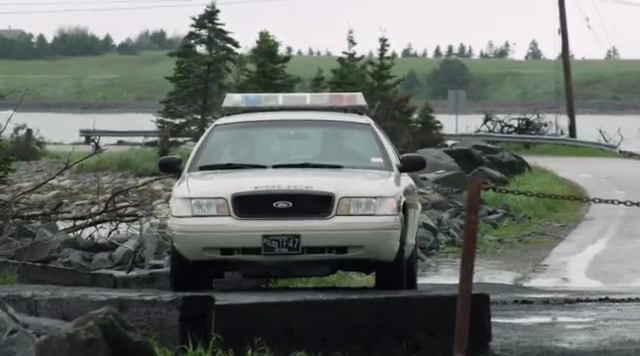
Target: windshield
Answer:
pixel 292 144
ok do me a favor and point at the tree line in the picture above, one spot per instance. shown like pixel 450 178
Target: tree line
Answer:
pixel 77 41
pixel 80 42
pixel 208 65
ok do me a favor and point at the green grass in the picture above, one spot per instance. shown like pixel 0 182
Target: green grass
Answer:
pixel 340 279
pixel 538 214
pixel 214 349
pixel 142 162
pixel 7 279
pixel 140 78
pixel 558 150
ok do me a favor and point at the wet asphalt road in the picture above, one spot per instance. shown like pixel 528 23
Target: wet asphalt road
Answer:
pixel 602 252
pixel 598 258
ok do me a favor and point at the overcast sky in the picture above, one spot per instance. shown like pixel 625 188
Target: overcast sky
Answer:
pixel 594 25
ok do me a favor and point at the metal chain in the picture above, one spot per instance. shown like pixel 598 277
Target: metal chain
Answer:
pixel 540 195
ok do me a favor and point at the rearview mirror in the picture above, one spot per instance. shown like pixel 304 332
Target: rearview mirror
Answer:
pixel 411 162
pixel 170 165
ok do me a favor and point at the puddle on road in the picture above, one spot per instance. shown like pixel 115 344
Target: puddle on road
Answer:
pixel 447 272
pixel 542 320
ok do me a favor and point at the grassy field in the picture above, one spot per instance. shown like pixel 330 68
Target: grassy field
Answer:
pixel 539 215
pixel 140 78
pixel 558 150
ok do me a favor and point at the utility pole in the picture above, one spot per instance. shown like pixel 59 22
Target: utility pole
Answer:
pixel 566 66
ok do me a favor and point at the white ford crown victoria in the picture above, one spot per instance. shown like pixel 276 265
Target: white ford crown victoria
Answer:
pixel 291 185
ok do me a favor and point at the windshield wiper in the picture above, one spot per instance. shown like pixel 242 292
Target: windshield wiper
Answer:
pixel 212 167
pixel 307 165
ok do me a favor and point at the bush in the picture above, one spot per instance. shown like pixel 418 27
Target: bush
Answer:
pixel 6 159
pixel 24 145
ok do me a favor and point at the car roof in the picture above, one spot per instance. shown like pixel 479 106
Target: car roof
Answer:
pixel 294 115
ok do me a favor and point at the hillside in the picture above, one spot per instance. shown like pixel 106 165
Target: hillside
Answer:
pixel 115 78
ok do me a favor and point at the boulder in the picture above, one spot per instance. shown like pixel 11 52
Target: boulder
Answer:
pixel 456 180
pixel 99 333
pixel 468 158
pixel 508 163
pixel 15 340
pixel 437 160
pixel 490 175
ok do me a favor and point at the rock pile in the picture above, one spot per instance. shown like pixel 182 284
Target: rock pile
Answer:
pixel 101 333
pixel 443 184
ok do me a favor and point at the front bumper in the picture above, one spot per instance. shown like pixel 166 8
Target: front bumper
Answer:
pixel 374 238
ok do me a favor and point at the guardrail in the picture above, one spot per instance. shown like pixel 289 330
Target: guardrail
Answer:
pixel 89 133
pixel 535 139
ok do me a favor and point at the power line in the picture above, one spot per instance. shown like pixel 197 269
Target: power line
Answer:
pixel 588 23
pixel 150 7
pixel 602 21
pixel 622 2
pixel 92 2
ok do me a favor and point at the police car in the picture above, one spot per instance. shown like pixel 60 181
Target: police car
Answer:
pixel 293 185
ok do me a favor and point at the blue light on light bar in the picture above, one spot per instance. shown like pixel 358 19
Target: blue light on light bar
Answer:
pixel 252 100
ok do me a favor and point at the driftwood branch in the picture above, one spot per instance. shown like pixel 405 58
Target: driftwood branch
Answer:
pixel 532 124
pixel 607 138
pixel 13 112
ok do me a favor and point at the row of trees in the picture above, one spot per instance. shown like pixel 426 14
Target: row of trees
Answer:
pixel 77 41
pixel 208 65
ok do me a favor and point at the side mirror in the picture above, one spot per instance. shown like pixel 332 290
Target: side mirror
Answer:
pixel 170 165
pixel 411 162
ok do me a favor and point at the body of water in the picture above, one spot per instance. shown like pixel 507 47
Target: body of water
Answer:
pixel 63 128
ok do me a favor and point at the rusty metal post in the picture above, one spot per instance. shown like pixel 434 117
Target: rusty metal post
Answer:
pixel 465 283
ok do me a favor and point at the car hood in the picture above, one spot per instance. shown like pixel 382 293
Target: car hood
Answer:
pixel 341 182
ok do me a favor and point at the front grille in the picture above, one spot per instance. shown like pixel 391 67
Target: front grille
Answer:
pixel 302 205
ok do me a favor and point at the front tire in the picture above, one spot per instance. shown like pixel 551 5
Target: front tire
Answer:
pixel 402 273
pixel 188 276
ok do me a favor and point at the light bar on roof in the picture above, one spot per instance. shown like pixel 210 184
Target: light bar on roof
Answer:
pixel 300 101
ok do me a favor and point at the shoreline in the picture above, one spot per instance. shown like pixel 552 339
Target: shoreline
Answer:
pixel 592 107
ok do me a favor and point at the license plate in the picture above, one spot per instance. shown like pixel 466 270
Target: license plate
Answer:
pixel 281 245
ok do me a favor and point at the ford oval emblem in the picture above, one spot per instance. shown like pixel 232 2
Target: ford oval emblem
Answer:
pixel 282 204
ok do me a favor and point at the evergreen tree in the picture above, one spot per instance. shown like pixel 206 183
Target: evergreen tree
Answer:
pixel 411 84
pixel 424 53
pixel 534 53
pixel 351 73
pixel 612 53
pixel 383 83
pixel 319 82
pixel 203 63
pixel 428 130
pixel 408 51
pixel 449 53
pixel 310 52
pixel 42 47
pixel 107 43
pixel 470 52
pixel 289 51
pixel 392 111
pixel 462 51
pixel 299 53
pixel 437 53
pixel 267 70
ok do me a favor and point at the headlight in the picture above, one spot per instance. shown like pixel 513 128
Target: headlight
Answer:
pixel 368 206
pixel 199 207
